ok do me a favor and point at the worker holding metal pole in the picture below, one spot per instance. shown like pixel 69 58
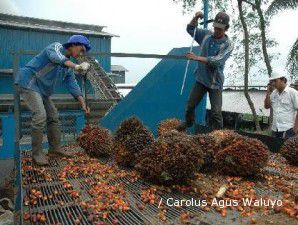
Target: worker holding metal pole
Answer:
pixel 216 48
pixel 36 82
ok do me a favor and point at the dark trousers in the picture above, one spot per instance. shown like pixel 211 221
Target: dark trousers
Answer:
pixel 197 93
pixel 284 134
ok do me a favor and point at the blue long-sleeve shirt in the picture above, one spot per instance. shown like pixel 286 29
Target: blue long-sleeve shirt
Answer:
pixel 217 51
pixel 47 68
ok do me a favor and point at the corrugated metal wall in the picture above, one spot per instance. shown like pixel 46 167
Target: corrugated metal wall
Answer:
pixel 14 40
pixel 117 79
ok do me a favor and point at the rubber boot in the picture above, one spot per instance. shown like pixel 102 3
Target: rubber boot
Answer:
pixel 184 125
pixel 189 120
pixel 38 156
pixel 54 139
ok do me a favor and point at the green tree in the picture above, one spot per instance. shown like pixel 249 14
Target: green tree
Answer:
pixel 292 60
pixel 279 5
pixel 262 25
pixel 246 63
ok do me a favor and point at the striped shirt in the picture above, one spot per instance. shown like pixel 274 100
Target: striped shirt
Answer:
pixel 44 71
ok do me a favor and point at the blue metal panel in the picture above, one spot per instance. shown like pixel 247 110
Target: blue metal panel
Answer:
pixel 8 130
pixel 106 61
pixel 6 84
pixel 102 45
pixel 15 40
pixel 157 95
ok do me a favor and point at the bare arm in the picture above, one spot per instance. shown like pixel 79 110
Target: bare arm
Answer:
pixel 82 67
pixel 194 21
pixel 267 102
pixel 70 64
pixel 83 105
pixel 215 60
pixel 193 56
pixel 202 59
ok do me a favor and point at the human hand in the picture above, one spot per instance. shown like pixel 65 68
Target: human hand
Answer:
pixel 199 15
pixel 84 66
pixel 191 56
pixel 86 109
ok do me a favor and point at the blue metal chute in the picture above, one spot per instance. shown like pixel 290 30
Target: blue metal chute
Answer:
pixel 157 96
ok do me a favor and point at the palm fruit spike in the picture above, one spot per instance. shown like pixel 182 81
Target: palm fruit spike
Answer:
pixel 168 125
pixel 243 157
pixel 172 159
pixel 289 150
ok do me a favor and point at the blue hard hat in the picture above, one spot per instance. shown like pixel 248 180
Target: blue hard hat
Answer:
pixel 78 39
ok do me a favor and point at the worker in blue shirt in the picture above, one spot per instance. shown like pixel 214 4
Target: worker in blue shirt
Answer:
pixel 36 82
pixel 216 48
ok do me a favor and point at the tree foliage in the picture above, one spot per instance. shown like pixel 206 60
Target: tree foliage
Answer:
pixel 279 5
pixel 292 60
pixel 187 5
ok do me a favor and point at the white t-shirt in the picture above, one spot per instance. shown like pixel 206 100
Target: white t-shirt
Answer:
pixel 285 106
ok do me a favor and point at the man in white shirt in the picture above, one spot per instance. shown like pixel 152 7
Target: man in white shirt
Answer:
pixel 295 85
pixel 284 103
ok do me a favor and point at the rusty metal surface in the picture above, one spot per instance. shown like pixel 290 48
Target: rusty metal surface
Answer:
pixel 62 209
pixel 59 208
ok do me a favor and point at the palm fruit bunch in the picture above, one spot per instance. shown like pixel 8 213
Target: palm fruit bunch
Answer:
pixel 168 125
pixel 172 159
pixel 131 138
pixel 289 150
pixel 84 136
pixel 95 140
pixel 128 127
pixel 206 146
pixel 242 157
pixel 211 143
pixel 223 138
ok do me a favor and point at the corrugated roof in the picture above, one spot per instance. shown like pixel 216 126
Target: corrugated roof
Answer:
pixel 22 22
pixel 118 68
pixel 113 75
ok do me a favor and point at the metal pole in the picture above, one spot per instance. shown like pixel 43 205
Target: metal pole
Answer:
pixel 116 54
pixel 187 63
pixel 86 97
pixel 17 153
pixel 84 91
pixel 206 9
pixel 206 12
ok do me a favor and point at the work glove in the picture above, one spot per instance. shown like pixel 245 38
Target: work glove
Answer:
pixel 84 66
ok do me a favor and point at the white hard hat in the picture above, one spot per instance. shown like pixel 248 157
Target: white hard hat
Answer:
pixel 277 74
